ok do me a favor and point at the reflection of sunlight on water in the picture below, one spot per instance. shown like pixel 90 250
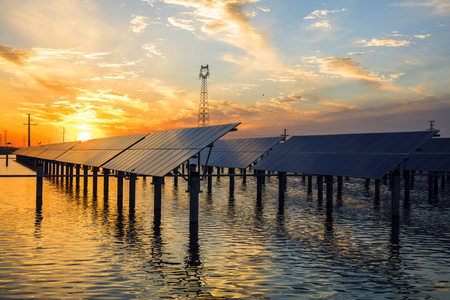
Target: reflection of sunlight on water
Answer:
pixel 81 246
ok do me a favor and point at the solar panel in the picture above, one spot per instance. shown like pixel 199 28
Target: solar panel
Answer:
pixel 98 151
pixel 238 153
pixel 56 150
pixel 433 156
pixel 161 152
pixel 32 151
pixel 368 155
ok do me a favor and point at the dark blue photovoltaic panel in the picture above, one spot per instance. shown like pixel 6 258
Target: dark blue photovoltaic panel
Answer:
pixel 161 152
pixel 433 156
pixel 368 155
pixel 238 153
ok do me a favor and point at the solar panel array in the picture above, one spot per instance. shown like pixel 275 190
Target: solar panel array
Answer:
pixel 433 156
pixel 96 152
pixel 32 151
pixel 238 153
pixel 161 152
pixel 369 155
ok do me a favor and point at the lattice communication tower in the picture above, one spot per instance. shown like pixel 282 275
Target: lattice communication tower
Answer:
pixel 203 113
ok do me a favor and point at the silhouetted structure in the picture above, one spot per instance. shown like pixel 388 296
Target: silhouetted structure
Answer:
pixel 203 113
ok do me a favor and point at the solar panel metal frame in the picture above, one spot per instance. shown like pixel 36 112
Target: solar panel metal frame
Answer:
pixel 369 155
pixel 161 152
pixel 238 153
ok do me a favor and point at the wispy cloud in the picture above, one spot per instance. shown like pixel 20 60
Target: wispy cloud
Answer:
pixel 384 42
pixel 152 50
pixel 228 22
pixel 182 23
pixel 15 56
pixel 438 7
pixel 138 24
pixel 321 17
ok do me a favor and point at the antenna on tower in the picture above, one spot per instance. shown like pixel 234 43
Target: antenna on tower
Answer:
pixel 433 129
pixel 203 112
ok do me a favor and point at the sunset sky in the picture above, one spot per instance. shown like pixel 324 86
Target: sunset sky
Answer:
pixel 105 68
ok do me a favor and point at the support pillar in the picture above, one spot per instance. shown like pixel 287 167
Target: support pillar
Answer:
pixel 209 172
pixel 263 177
pixel 407 177
pixel 120 176
pixel 443 181
pixel 258 186
pixel 157 195
pixel 105 183
pixel 95 180
pixel 175 177
pixel 85 177
pixel 367 183
pixel 309 184
pixel 329 207
pixel 77 176
pixel 6 159
pixel 67 174
pixel 244 177
pixel 231 172
pixel 377 190
pixel 39 186
pixel 132 191
pixel 281 188
pixel 395 192
pixel 194 190
pixel 339 187
pixel 320 189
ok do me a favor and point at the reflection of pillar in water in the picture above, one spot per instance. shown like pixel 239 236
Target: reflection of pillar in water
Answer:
pixel 281 188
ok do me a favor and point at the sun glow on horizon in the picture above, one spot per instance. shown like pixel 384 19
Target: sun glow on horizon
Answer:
pixel 84 136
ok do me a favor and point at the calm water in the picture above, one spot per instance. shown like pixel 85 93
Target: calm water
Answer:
pixel 83 247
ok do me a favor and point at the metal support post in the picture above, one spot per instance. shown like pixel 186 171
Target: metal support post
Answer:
pixel 85 177
pixel 367 183
pixel 157 195
pixel 329 207
pixel 77 176
pixel 281 188
pixel 132 190
pixel 194 190
pixel 395 192
pixel 231 172
pixel 39 186
pixel 105 183
pixel 120 176
pixel 94 179
pixel 340 185
pixel 309 185
pixel 407 178
pixel 263 176
pixel 6 159
pixel 320 189
pixel 377 190
pixel 210 171
pixel 244 177
pixel 258 186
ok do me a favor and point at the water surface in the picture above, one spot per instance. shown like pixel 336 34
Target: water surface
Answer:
pixel 82 246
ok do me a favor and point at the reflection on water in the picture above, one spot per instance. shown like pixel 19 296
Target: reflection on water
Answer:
pixel 83 245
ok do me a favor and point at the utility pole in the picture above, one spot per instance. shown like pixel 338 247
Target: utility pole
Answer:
pixel 29 124
pixel 433 129
pixel 203 113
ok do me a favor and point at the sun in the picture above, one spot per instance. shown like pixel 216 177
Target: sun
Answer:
pixel 84 136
